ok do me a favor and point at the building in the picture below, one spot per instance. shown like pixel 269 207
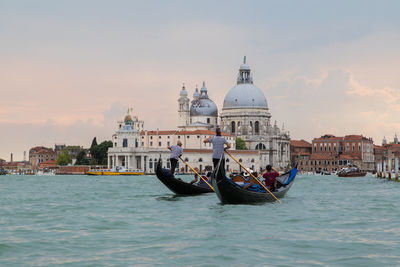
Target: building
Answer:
pixel 331 153
pixel 299 148
pixel 245 114
pixel 202 113
pixel 136 148
pixel 387 157
pixel 41 154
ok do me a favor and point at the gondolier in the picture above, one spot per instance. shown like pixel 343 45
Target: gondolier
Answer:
pixel 176 152
pixel 218 147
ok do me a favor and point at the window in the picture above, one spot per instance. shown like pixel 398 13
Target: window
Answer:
pixel 168 136
pixel 142 143
pixel 159 136
pixel 320 147
pixel 186 159
pixel 208 120
pixel 179 137
pixel 240 160
pixel 151 137
pixel 115 144
pixel 198 136
pixel 227 160
pixel 142 137
pixel 188 136
pixel 151 164
pixel 233 127
pixel 125 142
pixel 200 160
pixel 159 143
pixel 168 143
pixel 136 143
pixel 256 127
pixel 151 143
pixel 168 164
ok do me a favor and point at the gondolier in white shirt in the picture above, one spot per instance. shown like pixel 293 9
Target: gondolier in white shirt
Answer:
pixel 176 152
pixel 218 143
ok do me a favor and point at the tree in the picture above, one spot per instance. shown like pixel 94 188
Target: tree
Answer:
pixel 81 158
pixel 64 158
pixel 240 144
pixel 99 153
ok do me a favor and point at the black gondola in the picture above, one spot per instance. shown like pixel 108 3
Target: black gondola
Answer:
pixel 231 193
pixel 178 186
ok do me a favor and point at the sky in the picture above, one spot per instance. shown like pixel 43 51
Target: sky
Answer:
pixel 70 69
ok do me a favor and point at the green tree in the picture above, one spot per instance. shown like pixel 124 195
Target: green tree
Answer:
pixel 240 144
pixel 64 158
pixel 81 158
pixel 99 153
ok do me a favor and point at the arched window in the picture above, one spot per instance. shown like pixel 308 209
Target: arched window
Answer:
pixel 252 160
pixel 240 160
pixel 260 146
pixel 186 159
pixel 200 160
pixel 233 127
pixel 256 127
pixel 227 160
pixel 151 164
pixel 251 125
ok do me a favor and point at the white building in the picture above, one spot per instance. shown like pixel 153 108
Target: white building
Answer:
pixel 245 114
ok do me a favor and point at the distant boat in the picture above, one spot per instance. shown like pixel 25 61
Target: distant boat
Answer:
pixel 351 171
pixel 119 170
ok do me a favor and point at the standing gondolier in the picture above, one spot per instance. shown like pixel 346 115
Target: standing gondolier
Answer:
pixel 218 147
pixel 176 152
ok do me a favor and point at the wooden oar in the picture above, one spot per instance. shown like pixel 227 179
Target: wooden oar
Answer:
pixel 258 181
pixel 201 177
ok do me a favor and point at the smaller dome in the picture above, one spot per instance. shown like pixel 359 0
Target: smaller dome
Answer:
pixel 203 107
pixel 196 94
pixel 128 119
pixel 244 66
pixel 183 91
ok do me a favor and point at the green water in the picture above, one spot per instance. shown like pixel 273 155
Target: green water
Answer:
pixel 137 221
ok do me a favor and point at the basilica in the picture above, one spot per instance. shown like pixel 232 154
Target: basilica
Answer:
pixel 245 115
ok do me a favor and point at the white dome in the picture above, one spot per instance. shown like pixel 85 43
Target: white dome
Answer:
pixel 203 107
pixel 245 95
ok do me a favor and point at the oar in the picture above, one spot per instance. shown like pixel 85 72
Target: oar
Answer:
pixel 258 181
pixel 201 177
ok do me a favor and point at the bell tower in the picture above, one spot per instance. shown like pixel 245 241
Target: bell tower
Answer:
pixel 183 111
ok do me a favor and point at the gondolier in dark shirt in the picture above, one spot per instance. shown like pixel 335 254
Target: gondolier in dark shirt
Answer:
pixel 176 152
pixel 270 175
pixel 218 143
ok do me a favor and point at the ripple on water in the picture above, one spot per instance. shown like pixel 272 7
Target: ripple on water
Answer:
pixel 120 221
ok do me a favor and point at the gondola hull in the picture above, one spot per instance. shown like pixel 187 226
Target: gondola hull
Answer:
pixel 231 193
pixel 178 186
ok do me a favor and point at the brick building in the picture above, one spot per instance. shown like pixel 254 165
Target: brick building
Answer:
pixel 331 153
pixel 41 154
pixel 302 148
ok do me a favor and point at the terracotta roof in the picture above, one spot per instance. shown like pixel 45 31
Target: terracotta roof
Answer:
pixel 195 132
pixel 300 143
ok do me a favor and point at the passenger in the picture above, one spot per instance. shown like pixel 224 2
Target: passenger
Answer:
pixel 207 178
pixel 176 152
pixel 218 147
pixel 270 175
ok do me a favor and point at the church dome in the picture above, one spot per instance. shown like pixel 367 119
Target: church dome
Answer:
pixel 183 92
pixel 203 105
pixel 245 94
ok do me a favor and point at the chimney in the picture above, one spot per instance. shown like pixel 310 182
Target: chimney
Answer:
pixel 11 157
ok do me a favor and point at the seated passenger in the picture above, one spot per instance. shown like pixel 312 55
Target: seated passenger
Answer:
pixel 195 179
pixel 270 175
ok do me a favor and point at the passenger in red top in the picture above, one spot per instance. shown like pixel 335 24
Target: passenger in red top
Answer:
pixel 270 175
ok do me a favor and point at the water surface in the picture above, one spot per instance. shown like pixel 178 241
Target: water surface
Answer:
pixel 137 221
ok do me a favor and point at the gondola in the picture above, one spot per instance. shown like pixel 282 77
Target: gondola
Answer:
pixel 178 186
pixel 230 192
